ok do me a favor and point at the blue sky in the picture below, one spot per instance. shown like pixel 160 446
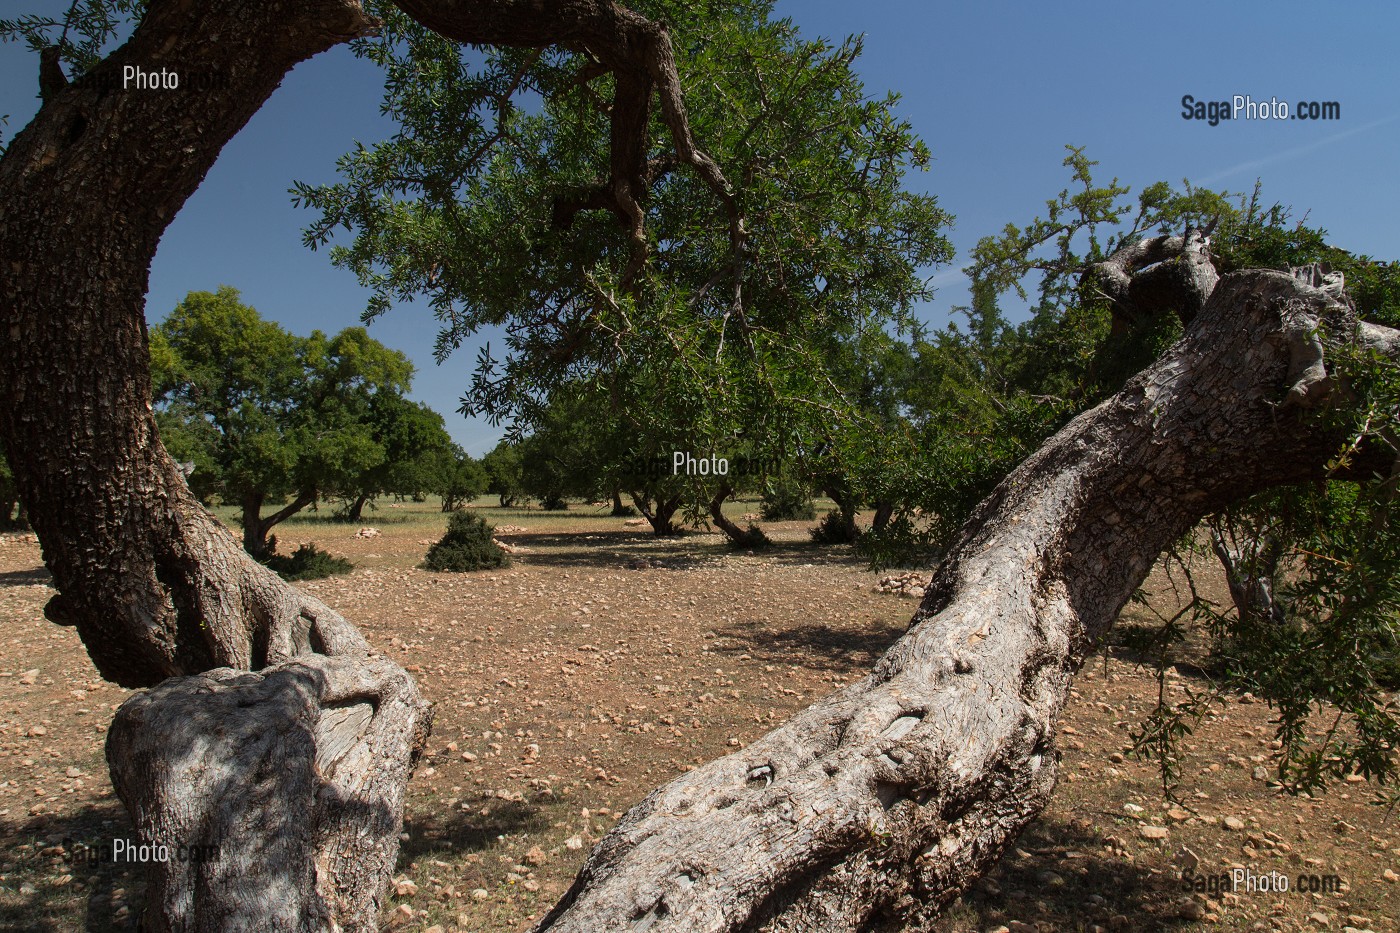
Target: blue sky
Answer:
pixel 995 89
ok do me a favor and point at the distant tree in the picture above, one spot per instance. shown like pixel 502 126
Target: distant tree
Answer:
pixel 268 417
pixel 457 478
pixel 504 473
pixel 415 445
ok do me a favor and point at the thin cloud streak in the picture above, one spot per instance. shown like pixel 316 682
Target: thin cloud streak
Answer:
pixel 1254 165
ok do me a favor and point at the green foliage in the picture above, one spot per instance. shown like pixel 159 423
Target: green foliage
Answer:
pixel 1315 627
pixel 458 478
pixel 504 472
pixel 466 546
pixel 308 562
pixel 84 33
pixel 264 415
pixel 834 528
pixel 785 499
pixel 710 346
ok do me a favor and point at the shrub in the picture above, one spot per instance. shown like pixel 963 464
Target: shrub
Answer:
pixel 467 546
pixel 751 537
pixel 785 500
pixel 554 502
pixel 833 529
pixel 307 562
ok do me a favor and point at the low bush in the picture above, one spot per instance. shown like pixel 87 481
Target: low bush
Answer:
pixel 833 529
pixel 308 562
pixel 466 546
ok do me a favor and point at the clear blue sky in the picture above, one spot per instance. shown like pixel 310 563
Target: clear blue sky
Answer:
pixel 996 89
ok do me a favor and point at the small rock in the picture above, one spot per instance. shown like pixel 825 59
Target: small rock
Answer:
pixel 1321 919
pixel 1191 910
pixel 573 843
pixel 480 894
pixel 29 677
pixel 1390 876
pixel 1233 823
pixel 1132 808
pixel 405 888
pixel 38 731
pixel 1187 860
pixel 1152 832
pixel 535 856
pixel 1260 773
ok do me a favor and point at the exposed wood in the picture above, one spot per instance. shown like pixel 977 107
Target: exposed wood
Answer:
pixel 277 795
pixel 874 808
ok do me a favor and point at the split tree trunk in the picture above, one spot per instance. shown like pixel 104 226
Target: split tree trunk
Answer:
pixel 156 587
pixel 874 808
pixel 278 794
pixel 256 526
pixel 659 514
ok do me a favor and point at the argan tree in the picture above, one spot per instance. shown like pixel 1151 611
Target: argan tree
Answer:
pixel 690 320
pixel 270 725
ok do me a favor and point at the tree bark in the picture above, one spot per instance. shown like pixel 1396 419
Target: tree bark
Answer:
pixel 256 527
pixel 749 537
pixel 356 511
pixel 884 511
pixel 874 808
pixel 313 754
pixel 154 584
pixel 658 514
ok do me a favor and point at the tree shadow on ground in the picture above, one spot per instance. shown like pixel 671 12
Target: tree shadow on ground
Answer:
pixel 817 646
pixel 60 867
pixel 25 577
pixel 1060 876
pixel 606 550
pixel 458 832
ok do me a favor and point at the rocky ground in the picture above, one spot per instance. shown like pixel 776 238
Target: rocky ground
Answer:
pixel 603 663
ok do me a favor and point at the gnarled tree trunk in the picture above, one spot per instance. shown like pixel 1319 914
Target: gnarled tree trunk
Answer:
pixel 156 587
pixel 751 536
pixel 874 808
pixel 659 514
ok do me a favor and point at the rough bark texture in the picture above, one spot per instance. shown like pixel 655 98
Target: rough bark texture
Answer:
pixel 278 794
pixel 156 587
pixel 874 808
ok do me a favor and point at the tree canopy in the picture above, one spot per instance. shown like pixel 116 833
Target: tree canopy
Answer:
pixel 265 416
pixel 690 321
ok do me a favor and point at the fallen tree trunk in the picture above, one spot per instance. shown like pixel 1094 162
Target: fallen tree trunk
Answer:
pixel 877 806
